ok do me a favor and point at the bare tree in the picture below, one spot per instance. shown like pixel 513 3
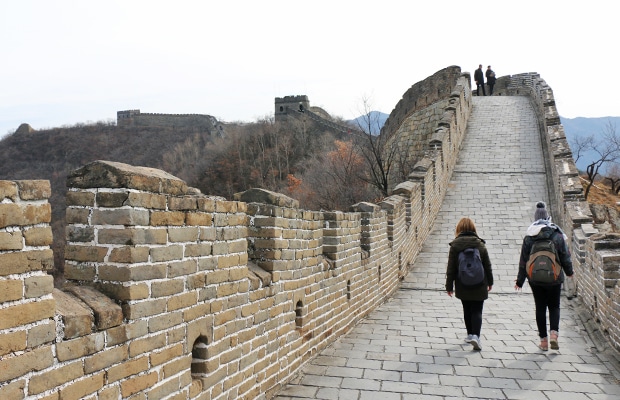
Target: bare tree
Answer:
pixel 605 148
pixel 613 176
pixel 379 152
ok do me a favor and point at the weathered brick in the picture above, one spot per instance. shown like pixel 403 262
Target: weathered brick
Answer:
pixel 134 273
pixel 168 354
pixel 128 368
pixel 164 389
pixel 76 317
pixel 182 203
pixel 48 380
pixel 12 341
pixel 75 233
pixel 165 321
pixel 22 314
pixel 198 219
pixel 133 236
pixel 15 366
pixel 10 289
pixel 80 198
pixel 38 236
pixel 116 335
pixel 8 190
pixel 111 199
pixel 10 215
pixel 85 253
pixel 79 271
pixel 80 347
pixel 14 390
pixel 137 384
pixel 185 234
pixel 123 216
pixel 34 189
pixel 42 334
pixel 171 218
pixel 182 301
pixel 11 240
pixel 167 287
pixel 167 253
pixel 173 367
pixel 109 393
pixel 196 312
pixel 77 215
pixel 38 286
pixel 117 291
pixel 104 359
pixel 144 308
pixel 107 313
pixel 146 345
pixel 147 200
pixel 129 255
pixel 78 389
pixel 182 268
pixel 197 250
pixel 36 214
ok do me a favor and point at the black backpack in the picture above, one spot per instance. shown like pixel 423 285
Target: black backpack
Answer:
pixel 471 270
pixel 543 265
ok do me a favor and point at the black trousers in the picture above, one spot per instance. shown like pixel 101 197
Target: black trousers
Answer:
pixel 547 298
pixel 472 314
pixel 478 90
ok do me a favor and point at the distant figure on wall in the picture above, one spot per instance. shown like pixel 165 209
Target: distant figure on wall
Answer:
pixel 479 78
pixel 490 79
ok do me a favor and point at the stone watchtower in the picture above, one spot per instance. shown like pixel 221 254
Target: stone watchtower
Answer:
pixel 289 104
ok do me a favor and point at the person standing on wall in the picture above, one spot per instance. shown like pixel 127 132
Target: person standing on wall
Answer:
pixel 490 74
pixel 546 291
pixel 479 78
pixel 472 296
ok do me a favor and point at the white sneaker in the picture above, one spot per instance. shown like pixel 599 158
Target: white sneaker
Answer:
pixel 468 338
pixel 475 341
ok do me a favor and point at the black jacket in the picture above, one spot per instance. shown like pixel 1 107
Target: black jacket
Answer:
pixel 464 241
pixel 490 77
pixel 544 229
pixel 479 76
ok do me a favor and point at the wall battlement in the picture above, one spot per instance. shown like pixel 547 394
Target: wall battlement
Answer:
pixel 172 292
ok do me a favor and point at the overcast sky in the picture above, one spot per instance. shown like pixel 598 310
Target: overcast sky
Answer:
pixel 68 62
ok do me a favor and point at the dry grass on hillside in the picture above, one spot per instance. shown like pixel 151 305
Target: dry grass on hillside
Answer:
pixel 600 193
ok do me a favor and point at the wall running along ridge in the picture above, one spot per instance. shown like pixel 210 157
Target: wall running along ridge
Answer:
pixel 174 293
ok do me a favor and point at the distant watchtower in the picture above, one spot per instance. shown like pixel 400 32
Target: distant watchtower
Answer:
pixel 290 104
pixel 124 118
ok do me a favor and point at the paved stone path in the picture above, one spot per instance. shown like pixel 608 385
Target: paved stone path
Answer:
pixel 412 346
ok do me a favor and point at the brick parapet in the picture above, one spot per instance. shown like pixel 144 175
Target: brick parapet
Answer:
pixel 595 256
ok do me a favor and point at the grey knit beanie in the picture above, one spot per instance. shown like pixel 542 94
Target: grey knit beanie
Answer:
pixel 541 211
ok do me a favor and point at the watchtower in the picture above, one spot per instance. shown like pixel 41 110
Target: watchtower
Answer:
pixel 288 104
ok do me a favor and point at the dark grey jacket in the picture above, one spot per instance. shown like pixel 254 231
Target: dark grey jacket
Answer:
pixel 464 241
pixel 544 229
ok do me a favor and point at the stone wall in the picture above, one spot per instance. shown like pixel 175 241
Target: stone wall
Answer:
pixel 172 293
pixel 197 121
pixel 596 256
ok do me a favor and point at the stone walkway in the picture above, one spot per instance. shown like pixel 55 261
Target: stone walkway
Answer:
pixel 412 346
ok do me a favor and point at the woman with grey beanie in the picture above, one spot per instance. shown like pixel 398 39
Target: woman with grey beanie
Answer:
pixel 544 247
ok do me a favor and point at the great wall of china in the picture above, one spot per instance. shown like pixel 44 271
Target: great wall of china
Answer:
pixel 177 294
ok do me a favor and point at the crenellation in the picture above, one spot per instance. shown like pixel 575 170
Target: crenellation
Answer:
pixel 176 294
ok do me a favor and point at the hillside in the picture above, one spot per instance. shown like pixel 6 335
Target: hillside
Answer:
pixel 261 154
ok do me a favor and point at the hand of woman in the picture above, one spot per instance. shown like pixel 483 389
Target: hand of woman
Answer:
pixel 450 293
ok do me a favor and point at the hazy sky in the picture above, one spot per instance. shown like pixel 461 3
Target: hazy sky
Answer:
pixel 68 62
